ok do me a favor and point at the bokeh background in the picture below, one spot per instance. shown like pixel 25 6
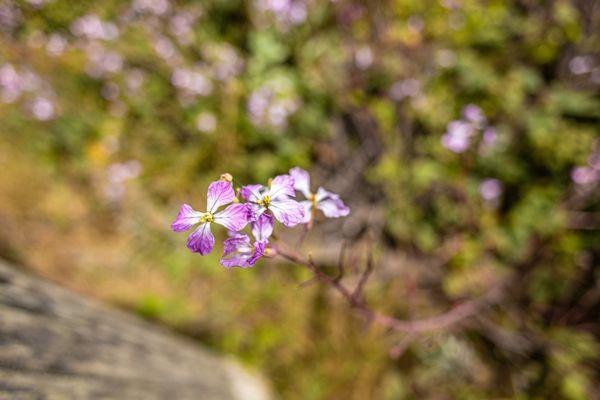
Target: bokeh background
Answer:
pixel 463 134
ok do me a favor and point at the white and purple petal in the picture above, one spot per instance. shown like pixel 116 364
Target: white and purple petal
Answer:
pixel 307 204
pixel 287 211
pixel 186 218
pixel 234 217
pixel 219 194
pixel 201 240
pixel 331 204
pixel 252 192
pixel 236 251
pixel 260 247
pixel 301 181
pixel 282 186
pixel 263 227
pixel 255 211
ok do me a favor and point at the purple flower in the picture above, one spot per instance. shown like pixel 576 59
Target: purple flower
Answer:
pixel 277 199
pixel 239 252
pixel 490 189
pixel 473 113
pixel 234 217
pixel 458 136
pixel 584 175
pixel 330 203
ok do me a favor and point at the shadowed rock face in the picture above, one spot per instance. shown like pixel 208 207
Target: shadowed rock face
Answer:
pixel 57 345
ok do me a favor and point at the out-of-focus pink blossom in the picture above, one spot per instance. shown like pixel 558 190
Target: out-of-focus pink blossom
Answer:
pixel 363 57
pixel 584 176
pixel 405 88
pixel 580 65
pixel 10 83
pixel 225 61
pixel 206 122
pixel 473 113
pixel 92 27
pixel 491 189
pixel 269 107
pixel 157 7
pixel 194 81
pixel 56 45
pixel 287 13
pixel 458 136
pixel 42 108
pixel 10 16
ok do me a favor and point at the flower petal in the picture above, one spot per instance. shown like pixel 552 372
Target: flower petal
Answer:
pixel 252 192
pixel 282 185
pixel 307 211
pixel 236 251
pixel 201 240
pixel 219 194
pixel 234 217
pixel 263 227
pixel 301 181
pixel 255 211
pixel 186 218
pixel 331 204
pixel 259 251
pixel 287 211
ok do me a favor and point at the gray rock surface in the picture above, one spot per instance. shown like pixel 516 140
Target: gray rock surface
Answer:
pixel 55 344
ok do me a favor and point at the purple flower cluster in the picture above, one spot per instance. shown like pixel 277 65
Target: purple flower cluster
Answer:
pixel 588 175
pixel 460 133
pixel 257 206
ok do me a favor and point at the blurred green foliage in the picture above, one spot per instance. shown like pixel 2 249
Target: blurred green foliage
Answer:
pixel 115 112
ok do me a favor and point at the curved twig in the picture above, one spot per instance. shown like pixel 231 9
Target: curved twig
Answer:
pixel 441 321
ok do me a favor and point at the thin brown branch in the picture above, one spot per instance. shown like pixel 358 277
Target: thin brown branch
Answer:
pixel 341 260
pixel 364 277
pixel 438 322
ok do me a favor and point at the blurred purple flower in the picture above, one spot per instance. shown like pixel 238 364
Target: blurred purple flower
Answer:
pixel 287 12
pixel 206 122
pixel 363 57
pixel 42 108
pixel 580 65
pixel 192 81
pixel 458 136
pixel 330 203
pixel 56 45
pixel 10 83
pixel 406 88
pixel 117 175
pixel 277 199
pixel 490 189
pixel 234 217
pixel 92 27
pixel 10 16
pixel 271 105
pixel 157 7
pixel 584 175
pixel 225 61
pixel 473 113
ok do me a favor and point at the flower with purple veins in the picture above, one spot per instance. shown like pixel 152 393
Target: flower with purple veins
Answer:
pixel 234 217
pixel 237 249
pixel 277 199
pixel 330 203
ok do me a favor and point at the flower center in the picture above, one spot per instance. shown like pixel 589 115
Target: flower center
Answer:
pixel 313 199
pixel 265 201
pixel 207 217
